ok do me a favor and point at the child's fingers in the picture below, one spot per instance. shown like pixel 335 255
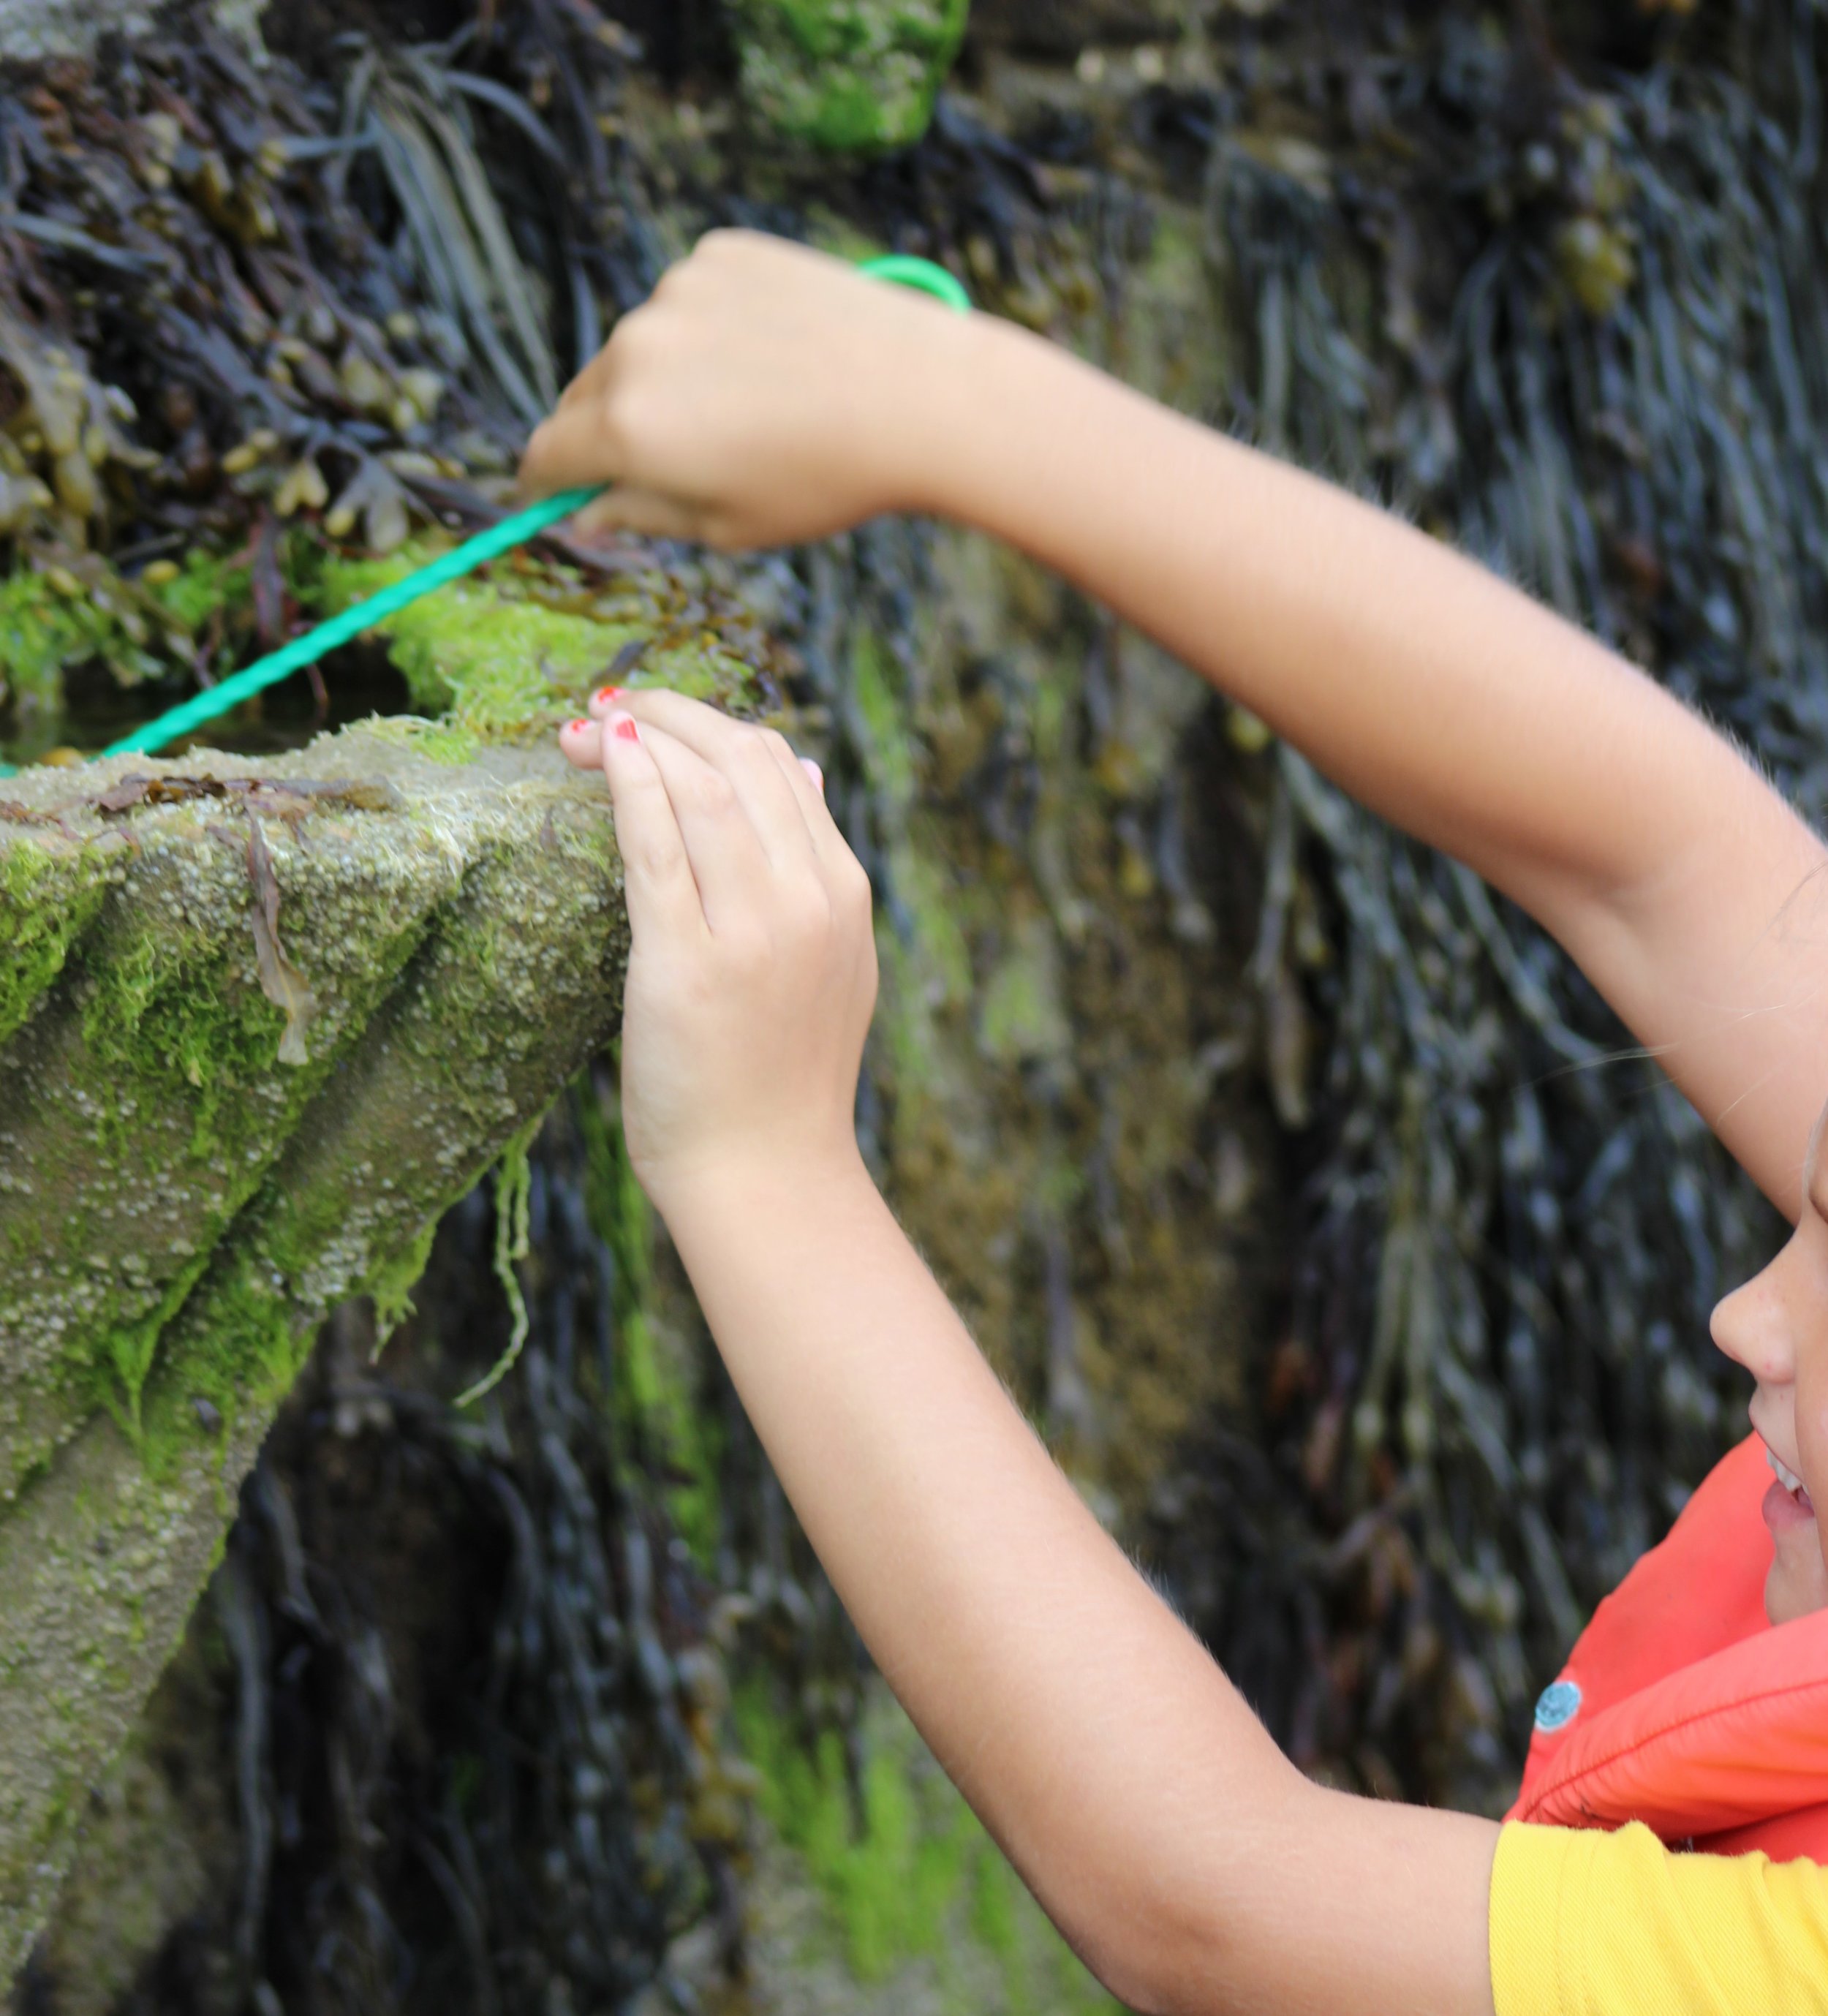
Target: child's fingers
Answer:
pixel 581 742
pixel 658 882
pixel 685 717
pixel 627 508
pixel 729 861
pixel 569 448
pixel 759 764
pixel 805 780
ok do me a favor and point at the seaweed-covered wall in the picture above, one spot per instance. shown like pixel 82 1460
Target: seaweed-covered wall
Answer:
pixel 1307 1197
pixel 30 28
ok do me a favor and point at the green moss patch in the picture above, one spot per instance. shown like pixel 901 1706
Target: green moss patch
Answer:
pixel 511 656
pixel 53 619
pixel 905 1868
pixel 49 894
pixel 847 76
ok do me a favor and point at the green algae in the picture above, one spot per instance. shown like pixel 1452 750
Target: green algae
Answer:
pixel 438 740
pixel 502 659
pixel 847 76
pixel 655 1399
pixel 391 1284
pixel 905 1869
pixel 142 1116
pixel 441 1033
pixel 52 619
pixel 42 630
pixel 147 1111
pixel 168 1010
pixel 48 896
pixel 1021 1018
pixel 513 1196
pixel 431 1095
pixel 881 726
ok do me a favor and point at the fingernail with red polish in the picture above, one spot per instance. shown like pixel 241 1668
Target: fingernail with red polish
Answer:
pixel 608 693
pixel 572 727
pixel 626 731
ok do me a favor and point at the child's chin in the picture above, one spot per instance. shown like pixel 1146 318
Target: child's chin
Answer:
pixel 1798 1582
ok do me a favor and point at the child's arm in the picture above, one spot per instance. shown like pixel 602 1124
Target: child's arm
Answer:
pixel 1194 1868
pixel 767 394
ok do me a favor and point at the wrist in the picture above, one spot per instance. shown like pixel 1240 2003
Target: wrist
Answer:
pixel 954 404
pixel 760 1187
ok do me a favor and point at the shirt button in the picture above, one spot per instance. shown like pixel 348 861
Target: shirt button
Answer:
pixel 1559 1704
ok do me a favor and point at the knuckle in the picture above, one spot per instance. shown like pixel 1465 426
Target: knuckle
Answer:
pixel 623 400
pixel 644 334
pixel 854 887
pixel 807 909
pixel 615 407
pixel 625 339
pixel 716 796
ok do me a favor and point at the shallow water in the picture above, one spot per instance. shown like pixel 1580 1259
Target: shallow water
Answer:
pixel 358 682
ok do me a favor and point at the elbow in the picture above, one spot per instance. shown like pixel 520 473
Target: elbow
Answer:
pixel 1160 1955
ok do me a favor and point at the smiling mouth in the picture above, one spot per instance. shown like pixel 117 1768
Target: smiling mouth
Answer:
pixel 1790 1481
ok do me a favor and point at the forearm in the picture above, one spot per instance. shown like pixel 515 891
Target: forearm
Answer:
pixel 1439 696
pixel 1436 694
pixel 1126 1779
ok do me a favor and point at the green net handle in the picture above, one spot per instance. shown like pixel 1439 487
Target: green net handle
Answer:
pixel 901 267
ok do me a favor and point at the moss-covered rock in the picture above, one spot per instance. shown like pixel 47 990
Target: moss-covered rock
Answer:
pixel 847 76
pixel 201 1170
pixel 509 659
pixel 261 1023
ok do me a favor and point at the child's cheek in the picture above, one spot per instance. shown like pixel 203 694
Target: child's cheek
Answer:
pixel 1798 1584
pixel 1807 1570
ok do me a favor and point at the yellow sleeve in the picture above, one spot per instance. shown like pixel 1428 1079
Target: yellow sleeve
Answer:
pixel 1587 1924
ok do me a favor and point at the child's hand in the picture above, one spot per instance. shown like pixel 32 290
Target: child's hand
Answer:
pixel 766 394
pixel 752 972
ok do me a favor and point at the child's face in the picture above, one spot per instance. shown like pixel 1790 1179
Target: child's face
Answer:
pixel 1776 1326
